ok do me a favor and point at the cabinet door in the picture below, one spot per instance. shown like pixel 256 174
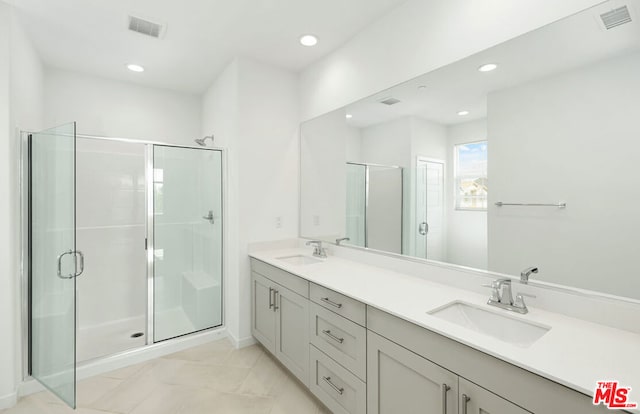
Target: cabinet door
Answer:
pixel 477 400
pixel 292 339
pixel 263 318
pixel 399 381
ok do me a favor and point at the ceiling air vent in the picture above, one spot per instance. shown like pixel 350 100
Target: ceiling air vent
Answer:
pixel 145 27
pixel 389 101
pixel 616 17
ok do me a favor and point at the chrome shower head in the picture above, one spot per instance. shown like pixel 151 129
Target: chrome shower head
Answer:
pixel 201 141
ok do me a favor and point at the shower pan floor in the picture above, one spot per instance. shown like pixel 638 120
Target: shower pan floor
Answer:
pixel 110 338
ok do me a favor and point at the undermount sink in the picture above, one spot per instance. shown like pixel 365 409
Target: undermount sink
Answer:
pixel 299 260
pixel 502 327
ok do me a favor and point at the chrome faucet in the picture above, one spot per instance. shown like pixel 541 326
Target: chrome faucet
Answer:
pixel 502 297
pixel 318 250
pixel 338 241
pixel 524 275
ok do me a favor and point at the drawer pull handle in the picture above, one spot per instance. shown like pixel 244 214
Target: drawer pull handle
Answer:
pixel 332 385
pixel 445 389
pixel 465 403
pixel 332 336
pixel 332 303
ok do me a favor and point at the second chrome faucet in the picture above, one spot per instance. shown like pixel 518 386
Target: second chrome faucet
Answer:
pixel 318 250
pixel 502 297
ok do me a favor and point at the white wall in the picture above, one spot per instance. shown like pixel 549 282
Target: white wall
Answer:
pixel 256 105
pixel 388 143
pixel 7 276
pixel 324 146
pixel 20 109
pixel 466 230
pixel 119 109
pixel 220 117
pixel 574 138
pixel 419 36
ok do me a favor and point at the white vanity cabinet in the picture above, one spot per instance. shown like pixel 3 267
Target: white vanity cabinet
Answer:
pixel 280 316
pixel 400 381
pixel 358 359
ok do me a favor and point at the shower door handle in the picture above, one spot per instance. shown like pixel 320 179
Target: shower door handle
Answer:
pixel 60 257
pixel 76 255
pixel 79 254
pixel 423 228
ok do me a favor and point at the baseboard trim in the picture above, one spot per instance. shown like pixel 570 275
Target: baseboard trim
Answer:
pixel 8 401
pixel 241 343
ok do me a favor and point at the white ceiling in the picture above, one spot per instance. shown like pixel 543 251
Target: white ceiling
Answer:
pixel 202 36
pixel 570 43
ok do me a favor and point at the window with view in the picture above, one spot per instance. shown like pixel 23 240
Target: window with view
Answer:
pixel 471 176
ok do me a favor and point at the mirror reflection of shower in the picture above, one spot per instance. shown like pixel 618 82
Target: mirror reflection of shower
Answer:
pixel 202 141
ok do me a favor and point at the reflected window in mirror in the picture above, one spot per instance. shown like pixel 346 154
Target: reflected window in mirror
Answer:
pixel 470 165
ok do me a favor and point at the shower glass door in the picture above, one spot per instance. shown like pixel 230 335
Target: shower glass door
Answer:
pixel 187 240
pixel 54 263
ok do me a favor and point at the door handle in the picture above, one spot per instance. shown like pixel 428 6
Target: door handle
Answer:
pixel 76 254
pixel 423 228
pixel 270 298
pixel 275 300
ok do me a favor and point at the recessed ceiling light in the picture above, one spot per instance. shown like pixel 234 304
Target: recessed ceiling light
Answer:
pixel 463 113
pixel 308 40
pixel 349 116
pixel 488 67
pixel 135 68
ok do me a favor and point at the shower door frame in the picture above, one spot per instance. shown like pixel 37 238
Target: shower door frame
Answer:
pixel 25 242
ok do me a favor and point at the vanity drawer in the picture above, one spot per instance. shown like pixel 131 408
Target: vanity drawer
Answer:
pixel 286 279
pixel 341 339
pixel 338 303
pixel 336 387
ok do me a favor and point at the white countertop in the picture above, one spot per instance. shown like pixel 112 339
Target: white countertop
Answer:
pixel 575 352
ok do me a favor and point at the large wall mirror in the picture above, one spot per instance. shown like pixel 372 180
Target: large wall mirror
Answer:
pixel 522 155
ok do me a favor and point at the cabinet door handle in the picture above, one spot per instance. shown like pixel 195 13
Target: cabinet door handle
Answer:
pixel 275 300
pixel 332 336
pixel 445 389
pixel 332 385
pixel 465 402
pixel 270 298
pixel 332 303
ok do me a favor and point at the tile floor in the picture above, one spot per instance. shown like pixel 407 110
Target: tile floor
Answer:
pixel 209 379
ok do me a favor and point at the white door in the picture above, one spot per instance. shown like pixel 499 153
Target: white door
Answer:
pixel 430 210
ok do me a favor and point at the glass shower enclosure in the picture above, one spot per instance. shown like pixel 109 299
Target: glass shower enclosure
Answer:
pixel 374 210
pixel 187 268
pixel 182 243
